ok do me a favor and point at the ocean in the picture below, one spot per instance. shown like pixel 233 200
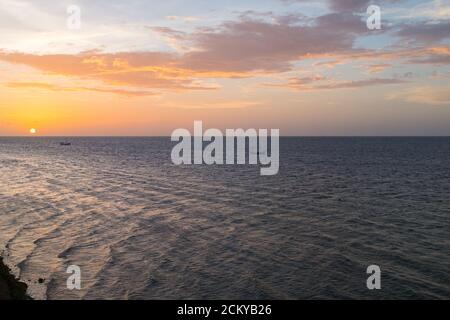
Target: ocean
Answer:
pixel 140 227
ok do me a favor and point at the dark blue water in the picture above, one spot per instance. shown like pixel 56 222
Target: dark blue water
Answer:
pixel 142 228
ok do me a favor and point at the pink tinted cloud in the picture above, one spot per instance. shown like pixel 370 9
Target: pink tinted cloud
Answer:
pixel 320 83
pixel 244 48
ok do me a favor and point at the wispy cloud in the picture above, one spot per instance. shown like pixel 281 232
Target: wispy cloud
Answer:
pixel 376 68
pixel 321 83
pixel 52 87
pixel 428 95
pixel 425 32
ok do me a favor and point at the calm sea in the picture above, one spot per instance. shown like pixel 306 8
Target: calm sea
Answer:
pixel 142 228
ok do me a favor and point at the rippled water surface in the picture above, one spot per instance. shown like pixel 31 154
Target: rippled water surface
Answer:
pixel 141 228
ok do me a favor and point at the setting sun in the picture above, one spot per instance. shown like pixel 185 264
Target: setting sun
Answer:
pixel 33 131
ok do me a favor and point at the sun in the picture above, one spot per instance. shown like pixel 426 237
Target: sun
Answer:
pixel 33 131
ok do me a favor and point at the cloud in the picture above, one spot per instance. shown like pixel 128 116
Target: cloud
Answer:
pixel 250 45
pixel 425 32
pixel 329 64
pixel 317 83
pixel 428 95
pixel 429 10
pixel 346 5
pixel 359 83
pixel 185 19
pixel 303 83
pixel 150 70
pixel 231 50
pixel 376 68
pixel 52 87
pixel 241 46
pixel 435 55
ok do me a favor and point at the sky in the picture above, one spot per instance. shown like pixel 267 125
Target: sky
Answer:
pixel 145 68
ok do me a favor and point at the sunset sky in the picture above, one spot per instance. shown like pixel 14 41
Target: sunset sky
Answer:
pixel 148 67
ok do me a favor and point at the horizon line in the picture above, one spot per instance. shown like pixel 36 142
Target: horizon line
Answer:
pixel 281 136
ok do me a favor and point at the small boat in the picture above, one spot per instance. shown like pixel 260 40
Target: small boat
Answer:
pixel 65 144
